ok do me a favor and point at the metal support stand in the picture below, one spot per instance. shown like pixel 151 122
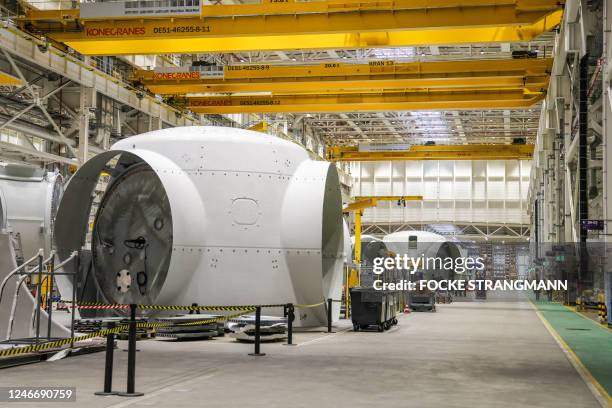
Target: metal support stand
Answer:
pixel 131 372
pixel 108 367
pixel 329 315
pixel 290 317
pixel 257 333
pixel 74 291
pixel 38 296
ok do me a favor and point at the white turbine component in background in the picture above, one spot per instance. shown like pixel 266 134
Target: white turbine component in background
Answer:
pixel 427 243
pixel 29 197
pixel 423 243
pixel 210 215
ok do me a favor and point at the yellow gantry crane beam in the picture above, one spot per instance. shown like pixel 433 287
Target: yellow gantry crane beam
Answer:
pixel 359 205
pixel 9 80
pixel 364 102
pixel 435 152
pixel 390 198
pixel 363 202
pixel 116 29
pixel 530 75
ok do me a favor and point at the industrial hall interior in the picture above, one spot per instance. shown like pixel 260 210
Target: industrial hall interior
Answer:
pixel 306 203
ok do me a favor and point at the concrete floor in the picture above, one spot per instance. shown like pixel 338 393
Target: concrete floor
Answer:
pixel 468 354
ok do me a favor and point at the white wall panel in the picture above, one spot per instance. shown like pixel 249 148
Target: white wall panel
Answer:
pixel 453 191
pixel 462 189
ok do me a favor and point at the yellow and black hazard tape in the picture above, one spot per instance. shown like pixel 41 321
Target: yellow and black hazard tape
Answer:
pixel 58 343
pixel 206 308
pixel 98 305
pixel 201 322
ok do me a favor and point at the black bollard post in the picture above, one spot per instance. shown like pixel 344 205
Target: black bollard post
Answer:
pixel 39 295
pixel 131 372
pixel 290 317
pixel 197 311
pixel 329 315
pixel 257 333
pixel 108 367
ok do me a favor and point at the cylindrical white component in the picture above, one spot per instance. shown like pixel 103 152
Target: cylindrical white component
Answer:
pixel 2 212
pixel 29 198
pixel 414 243
pixel 423 244
pixel 348 243
pixel 213 216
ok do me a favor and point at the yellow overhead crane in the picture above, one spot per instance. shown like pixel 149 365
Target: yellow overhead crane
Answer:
pixel 9 80
pixel 364 102
pixel 435 152
pixel 530 75
pixel 192 26
pixel 338 87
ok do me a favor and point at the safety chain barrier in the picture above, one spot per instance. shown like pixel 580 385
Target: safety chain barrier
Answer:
pixel 205 308
pixel 289 312
pixel 104 332
pixel 114 330
pixel 309 306
pixel 81 306
pixel 192 308
pixel 59 343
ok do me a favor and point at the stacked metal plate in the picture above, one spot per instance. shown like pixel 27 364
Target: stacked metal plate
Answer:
pixel 271 328
pixel 181 328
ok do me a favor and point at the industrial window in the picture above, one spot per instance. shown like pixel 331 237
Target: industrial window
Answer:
pixel 189 3
pixel 412 242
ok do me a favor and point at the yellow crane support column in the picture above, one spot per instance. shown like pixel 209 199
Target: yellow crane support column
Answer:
pixel 358 215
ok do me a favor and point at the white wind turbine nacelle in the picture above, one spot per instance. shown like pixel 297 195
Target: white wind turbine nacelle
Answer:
pixel 415 243
pixel 423 243
pixel 29 197
pixel 209 215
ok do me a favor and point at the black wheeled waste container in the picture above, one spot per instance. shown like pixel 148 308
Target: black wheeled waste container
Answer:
pixel 372 308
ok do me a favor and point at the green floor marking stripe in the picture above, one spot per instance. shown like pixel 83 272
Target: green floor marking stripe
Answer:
pixel 591 342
